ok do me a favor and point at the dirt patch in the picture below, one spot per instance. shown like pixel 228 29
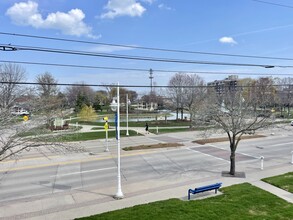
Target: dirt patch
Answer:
pixel 153 146
pixel 222 139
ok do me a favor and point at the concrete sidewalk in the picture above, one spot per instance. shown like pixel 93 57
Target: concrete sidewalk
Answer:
pixel 92 200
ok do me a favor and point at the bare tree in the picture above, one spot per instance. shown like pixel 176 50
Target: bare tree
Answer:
pixel 75 93
pixel 236 115
pixel 47 85
pixel 48 107
pixel 285 93
pixel 263 93
pixel 176 84
pixel 194 93
pixel 187 92
pixel 10 75
pixel 17 137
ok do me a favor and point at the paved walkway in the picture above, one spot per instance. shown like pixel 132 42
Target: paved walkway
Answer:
pixel 89 201
pixel 274 190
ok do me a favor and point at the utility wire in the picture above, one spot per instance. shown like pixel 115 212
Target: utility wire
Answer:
pixel 272 3
pixel 96 85
pixel 138 86
pixel 145 48
pixel 140 69
pixel 141 58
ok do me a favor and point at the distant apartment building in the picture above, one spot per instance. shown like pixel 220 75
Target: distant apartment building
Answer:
pixel 229 84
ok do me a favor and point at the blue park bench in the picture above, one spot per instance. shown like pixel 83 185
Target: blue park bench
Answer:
pixel 215 187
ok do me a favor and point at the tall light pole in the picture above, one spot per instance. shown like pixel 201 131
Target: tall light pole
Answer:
pixel 127 103
pixel 115 106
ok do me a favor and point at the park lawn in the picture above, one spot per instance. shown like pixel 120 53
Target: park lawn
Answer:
pixel 162 123
pixel 85 136
pixel 242 201
pixel 97 128
pixel 40 130
pixel 284 181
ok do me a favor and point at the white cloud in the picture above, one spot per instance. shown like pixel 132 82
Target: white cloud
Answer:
pixel 117 8
pixel 70 23
pixel 227 40
pixel 164 7
pixel 149 1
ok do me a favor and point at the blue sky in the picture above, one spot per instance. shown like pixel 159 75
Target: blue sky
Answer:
pixel 244 27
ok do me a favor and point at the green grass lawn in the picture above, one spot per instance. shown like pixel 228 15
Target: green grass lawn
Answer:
pixel 43 130
pixel 169 123
pixel 284 181
pixel 242 201
pixel 97 128
pixel 84 136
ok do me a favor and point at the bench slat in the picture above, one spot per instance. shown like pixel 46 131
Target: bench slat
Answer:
pixel 215 187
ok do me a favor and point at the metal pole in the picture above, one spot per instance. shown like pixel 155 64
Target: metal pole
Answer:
pixel 107 148
pixel 119 194
pixel 157 130
pixel 127 133
pixel 261 162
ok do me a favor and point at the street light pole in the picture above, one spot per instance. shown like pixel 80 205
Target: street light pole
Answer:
pixel 127 132
pixel 119 194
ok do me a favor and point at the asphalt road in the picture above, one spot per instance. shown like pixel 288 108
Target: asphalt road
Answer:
pixel 30 179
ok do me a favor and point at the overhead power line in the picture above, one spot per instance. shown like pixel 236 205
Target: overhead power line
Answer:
pixel 135 86
pixel 141 58
pixel 272 3
pixel 145 48
pixel 95 85
pixel 141 70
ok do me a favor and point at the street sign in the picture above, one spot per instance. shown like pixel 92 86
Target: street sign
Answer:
pixel 25 118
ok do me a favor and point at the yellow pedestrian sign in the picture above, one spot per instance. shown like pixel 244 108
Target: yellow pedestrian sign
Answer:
pixel 25 118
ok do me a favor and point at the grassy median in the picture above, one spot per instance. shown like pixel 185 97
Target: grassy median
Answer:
pixel 284 181
pixel 242 201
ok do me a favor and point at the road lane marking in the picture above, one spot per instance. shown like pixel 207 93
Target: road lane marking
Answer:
pixel 87 171
pixel 73 161
pixel 275 145
pixel 208 155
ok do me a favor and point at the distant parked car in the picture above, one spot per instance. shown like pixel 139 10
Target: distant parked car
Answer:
pixel 20 112
pixel 291 123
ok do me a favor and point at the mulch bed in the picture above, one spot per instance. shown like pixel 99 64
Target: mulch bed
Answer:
pixel 222 139
pixel 153 146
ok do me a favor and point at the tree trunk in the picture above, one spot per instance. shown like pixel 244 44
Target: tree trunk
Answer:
pixel 232 156
pixel 232 163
